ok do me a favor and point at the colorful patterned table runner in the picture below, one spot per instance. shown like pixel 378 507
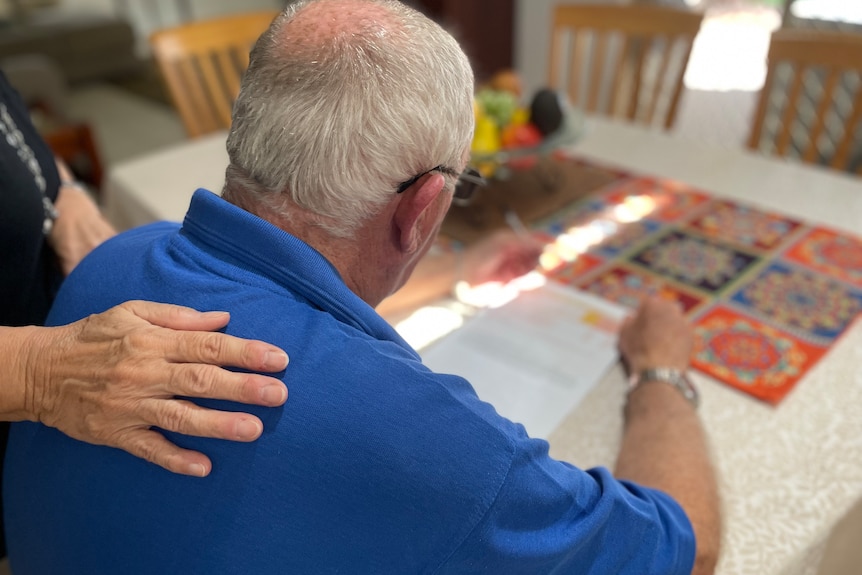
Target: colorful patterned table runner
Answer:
pixel 768 294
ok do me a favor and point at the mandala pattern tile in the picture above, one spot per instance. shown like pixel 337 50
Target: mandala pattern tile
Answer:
pixel 569 273
pixel 577 215
pixel 751 356
pixel 629 287
pixel 694 261
pixel 665 200
pixel 625 236
pixel 830 253
pixel 811 305
pixel 744 226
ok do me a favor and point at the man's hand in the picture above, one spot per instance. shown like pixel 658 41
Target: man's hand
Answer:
pixel 656 336
pixel 109 378
pixel 500 257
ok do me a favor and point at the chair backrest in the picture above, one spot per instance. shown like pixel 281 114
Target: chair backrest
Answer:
pixel 622 61
pixel 811 104
pixel 202 63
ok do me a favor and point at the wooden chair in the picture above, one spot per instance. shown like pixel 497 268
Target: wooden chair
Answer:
pixel 202 63
pixel 811 104
pixel 622 61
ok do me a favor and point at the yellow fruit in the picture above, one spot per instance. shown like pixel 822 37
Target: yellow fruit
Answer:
pixel 520 117
pixel 487 137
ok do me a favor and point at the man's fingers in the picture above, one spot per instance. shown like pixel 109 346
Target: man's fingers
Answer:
pixel 187 418
pixel 194 380
pixel 221 349
pixel 153 447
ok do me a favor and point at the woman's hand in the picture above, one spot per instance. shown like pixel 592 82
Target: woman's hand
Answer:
pixel 79 228
pixel 109 378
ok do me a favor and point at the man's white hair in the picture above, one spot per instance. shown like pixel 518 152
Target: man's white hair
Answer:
pixel 336 119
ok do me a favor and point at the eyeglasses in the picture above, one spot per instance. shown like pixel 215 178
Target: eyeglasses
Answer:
pixel 465 187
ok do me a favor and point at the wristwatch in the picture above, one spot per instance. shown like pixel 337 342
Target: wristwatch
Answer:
pixel 675 377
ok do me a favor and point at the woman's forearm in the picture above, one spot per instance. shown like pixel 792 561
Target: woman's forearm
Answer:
pixel 17 393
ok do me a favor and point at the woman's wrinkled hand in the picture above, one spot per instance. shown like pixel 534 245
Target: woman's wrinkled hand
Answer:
pixel 79 228
pixel 109 378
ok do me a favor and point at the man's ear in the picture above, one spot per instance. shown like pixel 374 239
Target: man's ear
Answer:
pixel 413 207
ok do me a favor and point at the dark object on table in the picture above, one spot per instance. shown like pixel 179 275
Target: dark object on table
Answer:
pixel 546 111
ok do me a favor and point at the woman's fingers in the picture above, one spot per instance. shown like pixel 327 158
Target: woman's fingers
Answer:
pixel 221 349
pixel 177 316
pixel 153 447
pixel 187 418
pixel 196 343
pixel 207 381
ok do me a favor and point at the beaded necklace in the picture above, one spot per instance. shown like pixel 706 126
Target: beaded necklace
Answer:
pixel 15 138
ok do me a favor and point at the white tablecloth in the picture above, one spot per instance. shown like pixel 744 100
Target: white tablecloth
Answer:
pixel 788 474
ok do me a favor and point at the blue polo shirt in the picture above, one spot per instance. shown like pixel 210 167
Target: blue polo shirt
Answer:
pixel 374 465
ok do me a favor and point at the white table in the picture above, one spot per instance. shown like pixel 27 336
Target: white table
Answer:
pixel 159 186
pixel 788 474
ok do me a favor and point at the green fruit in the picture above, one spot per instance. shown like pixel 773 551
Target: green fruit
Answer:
pixel 500 106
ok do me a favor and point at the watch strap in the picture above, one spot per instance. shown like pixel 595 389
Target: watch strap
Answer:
pixel 675 377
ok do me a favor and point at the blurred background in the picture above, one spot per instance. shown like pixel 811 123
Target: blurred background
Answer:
pixel 100 72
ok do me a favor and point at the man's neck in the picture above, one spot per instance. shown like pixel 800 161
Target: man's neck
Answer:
pixel 359 260
pixel 367 262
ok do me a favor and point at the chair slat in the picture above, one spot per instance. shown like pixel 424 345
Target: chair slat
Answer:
pixel 577 63
pixel 202 112
pixel 677 84
pixel 619 70
pixel 555 61
pixel 666 54
pixel 600 44
pixel 230 73
pixel 762 105
pixel 789 114
pixel 215 90
pixel 843 151
pixel 643 45
pixel 826 102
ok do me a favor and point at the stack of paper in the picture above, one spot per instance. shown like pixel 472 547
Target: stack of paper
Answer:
pixel 535 358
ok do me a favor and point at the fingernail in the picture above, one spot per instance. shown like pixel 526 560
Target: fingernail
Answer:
pixel 248 429
pixel 273 394
pixel 275 360
pixel 213 314
pixel 197 470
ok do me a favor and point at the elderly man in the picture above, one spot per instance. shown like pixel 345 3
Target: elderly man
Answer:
pixel 350 132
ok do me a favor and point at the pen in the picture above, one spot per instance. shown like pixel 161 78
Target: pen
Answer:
pixel 516 224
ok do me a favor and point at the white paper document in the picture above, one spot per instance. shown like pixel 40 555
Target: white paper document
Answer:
pixel 535 358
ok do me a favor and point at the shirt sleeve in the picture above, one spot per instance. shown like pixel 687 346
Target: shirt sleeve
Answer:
pixel 551 517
